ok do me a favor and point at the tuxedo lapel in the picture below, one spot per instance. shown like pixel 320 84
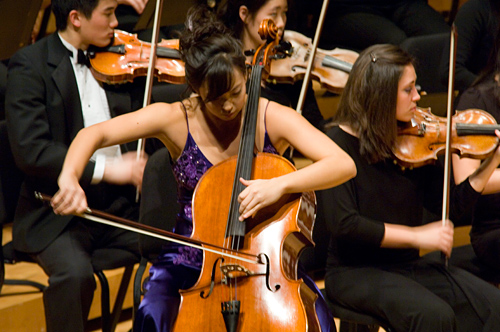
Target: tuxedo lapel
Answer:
pixel 64 78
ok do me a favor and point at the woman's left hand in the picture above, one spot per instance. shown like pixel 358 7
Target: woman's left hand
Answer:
pixel 257 195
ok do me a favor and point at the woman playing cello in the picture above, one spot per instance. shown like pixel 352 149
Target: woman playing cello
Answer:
pixel 199 132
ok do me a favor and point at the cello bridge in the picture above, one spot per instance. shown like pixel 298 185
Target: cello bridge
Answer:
pixel 233 271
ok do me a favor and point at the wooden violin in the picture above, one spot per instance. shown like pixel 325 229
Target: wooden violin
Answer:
pixel 232 296
pixel 420 141
pixel 128 57
pixel 331 68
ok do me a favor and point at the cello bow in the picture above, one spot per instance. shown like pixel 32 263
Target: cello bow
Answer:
pixel 129 225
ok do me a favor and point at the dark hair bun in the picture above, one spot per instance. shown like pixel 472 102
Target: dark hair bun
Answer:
pixel 201 23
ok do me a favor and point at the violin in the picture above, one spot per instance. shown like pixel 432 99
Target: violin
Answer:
pixel 127 57
pixel 331 68
pixel 420 141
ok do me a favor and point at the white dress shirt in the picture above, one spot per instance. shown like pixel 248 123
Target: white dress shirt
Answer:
pixel 95 109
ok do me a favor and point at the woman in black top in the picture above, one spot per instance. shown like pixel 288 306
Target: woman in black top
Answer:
pixel 376 218
pixel 485 231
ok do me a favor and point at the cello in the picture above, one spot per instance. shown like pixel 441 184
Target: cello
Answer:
pixel 252 297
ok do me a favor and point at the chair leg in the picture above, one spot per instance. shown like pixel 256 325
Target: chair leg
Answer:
pixel 120 297
pixel 109 318
pixel 138 286
pixel 105 313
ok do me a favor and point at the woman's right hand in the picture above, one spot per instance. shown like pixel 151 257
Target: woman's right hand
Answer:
pixel 435 236
pixel 70 199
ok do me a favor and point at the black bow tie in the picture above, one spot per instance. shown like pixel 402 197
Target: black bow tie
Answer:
pixel 82 58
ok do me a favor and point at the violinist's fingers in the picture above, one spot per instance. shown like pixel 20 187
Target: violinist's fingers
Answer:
pixel 447 238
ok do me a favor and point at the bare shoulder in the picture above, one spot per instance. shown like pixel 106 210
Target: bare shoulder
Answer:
pixel 277 113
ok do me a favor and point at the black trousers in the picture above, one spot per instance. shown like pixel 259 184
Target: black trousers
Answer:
pixel 357 27
pixel 67 262
pixel 420 296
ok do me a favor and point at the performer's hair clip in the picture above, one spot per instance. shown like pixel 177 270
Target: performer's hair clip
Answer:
pixel 374 58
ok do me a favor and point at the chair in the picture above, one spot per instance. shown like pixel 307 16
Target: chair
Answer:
pixel 354 321
pixel 10 183
pixel 158 209
pixel 102 259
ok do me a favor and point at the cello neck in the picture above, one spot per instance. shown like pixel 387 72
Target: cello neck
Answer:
pixel 235 228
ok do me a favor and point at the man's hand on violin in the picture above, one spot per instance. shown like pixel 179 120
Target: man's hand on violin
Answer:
pixel 257 195
pixel 435 236
pixel 138 5
pixel 127 170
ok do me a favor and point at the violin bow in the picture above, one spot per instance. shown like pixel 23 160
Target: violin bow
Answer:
pixel 149 77
pixel 449 108
pixel 310 62
pixel 305 82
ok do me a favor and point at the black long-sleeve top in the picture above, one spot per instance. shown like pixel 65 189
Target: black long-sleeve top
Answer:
pixel 484 96
pixel 382 193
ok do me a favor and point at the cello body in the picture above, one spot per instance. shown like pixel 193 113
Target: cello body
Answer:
pixel 279 231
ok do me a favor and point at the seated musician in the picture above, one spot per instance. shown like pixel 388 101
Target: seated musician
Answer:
pixel 243 18
pixel 375 219
pixel 50 97
pixel 199 132
pixel 485 231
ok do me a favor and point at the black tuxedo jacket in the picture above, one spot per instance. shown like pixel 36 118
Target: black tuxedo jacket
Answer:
pixel 43 116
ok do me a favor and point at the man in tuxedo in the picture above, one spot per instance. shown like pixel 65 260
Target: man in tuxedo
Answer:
pixel 51 95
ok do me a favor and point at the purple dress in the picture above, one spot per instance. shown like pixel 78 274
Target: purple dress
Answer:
pixel 178 266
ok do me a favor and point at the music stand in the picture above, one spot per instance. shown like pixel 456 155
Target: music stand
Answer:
pixel 174 13
pixel 18 18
